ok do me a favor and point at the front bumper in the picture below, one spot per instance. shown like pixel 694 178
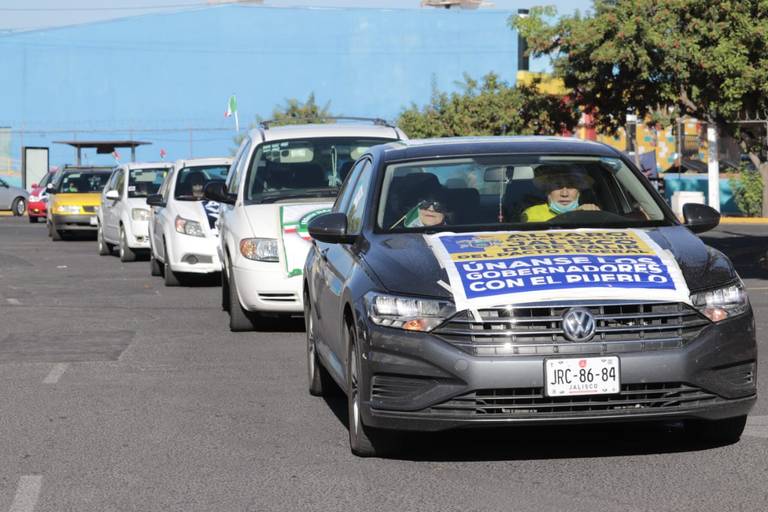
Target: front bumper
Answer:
pixel 269 289
pixel 37 209
pixel 138 234
pixel 194 255
pixel 80 222
pixel 416 381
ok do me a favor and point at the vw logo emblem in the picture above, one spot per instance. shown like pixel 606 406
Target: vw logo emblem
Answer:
pixel 578 324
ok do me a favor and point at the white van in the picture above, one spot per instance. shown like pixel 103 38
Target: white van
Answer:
pixel 281 178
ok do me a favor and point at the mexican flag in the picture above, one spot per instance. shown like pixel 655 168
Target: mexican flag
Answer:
pixel 232 111
pixel 411 218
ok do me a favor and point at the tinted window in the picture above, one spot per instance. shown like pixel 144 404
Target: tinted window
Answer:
pixel 345 194
pixel 238 168
pixel 302 167
pixel 82 182
pixel 190 181
pixel 516 191
pixel 143 182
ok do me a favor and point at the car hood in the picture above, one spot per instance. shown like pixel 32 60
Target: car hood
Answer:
pixel 78 199
pixel 405 264
pixel 204 212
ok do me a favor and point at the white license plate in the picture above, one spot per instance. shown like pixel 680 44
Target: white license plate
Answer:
pixel 93 221
pixel 582 376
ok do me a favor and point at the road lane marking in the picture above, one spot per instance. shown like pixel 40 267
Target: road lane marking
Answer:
pixel 56 372
pixel 27 493
pixel 13 302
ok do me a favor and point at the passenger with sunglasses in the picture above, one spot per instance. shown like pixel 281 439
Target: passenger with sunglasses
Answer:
pixel 427 213
pixel 563 186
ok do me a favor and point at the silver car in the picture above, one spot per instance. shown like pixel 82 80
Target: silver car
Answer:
pixel 13 198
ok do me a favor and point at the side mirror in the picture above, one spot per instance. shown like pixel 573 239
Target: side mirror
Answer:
pixel 215 191
pixel 113 195
pixel 155 200
pixel 330 228
pixel 700 217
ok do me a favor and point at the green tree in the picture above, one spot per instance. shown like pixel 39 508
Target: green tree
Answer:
pixel 492 107
pixel 294 111
pixel 662 58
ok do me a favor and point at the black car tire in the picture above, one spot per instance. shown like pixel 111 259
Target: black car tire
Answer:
pixel 725 431
pixel 19 207
pixel 363 441
pixel 320 381
pixel 171 279
pixel 154 266
pixel 104 248
pixel 126 253
pixel 240 320
pixel 225 303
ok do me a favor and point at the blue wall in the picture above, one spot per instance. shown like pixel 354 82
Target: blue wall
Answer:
pixel 165 72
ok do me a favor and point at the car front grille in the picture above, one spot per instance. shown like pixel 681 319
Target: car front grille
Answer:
pixel 537 329
pixel 532 402
pixel 278 297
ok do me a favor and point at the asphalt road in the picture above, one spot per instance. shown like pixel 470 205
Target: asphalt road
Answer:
pixel 118 394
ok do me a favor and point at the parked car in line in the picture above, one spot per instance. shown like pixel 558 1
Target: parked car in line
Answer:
pixel 523 280
pixel 182 225
pixel 73 197
pixel 123 217
pixel 37 207
pixel 282 177
pixel 13 198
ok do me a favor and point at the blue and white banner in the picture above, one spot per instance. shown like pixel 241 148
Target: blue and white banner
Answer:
pixel 499 268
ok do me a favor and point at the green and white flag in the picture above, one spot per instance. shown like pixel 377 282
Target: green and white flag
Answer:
pixel 232 111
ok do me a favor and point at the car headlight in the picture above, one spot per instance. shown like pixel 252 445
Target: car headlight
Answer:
pixel 67 208
pixel 722 303
pixel 189 227
pixel 139 214
pixel 259 249
pixel 409 313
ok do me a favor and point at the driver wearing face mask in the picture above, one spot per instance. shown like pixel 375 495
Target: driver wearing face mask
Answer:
pixel 563 186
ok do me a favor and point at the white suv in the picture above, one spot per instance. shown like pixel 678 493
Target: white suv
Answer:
pixel 182 227
pixel 123 217
pixel 281 178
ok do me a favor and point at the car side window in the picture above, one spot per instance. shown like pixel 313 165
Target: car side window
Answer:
pixel 238 167
pixel 166 186
pixel 358 199
pixel 112 180
pixel 120 181
pixel 345 195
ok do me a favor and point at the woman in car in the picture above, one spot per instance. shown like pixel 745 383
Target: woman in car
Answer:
pixel 428 212
pixel 563 186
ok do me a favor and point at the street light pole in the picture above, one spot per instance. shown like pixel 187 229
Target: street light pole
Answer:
pixel 713 167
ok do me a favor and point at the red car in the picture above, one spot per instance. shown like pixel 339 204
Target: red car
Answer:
pixel 38 199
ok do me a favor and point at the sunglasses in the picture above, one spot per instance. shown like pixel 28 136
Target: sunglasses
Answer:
pixel 436 206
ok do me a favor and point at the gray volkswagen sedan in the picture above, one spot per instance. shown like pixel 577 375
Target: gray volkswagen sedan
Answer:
pixel 523 280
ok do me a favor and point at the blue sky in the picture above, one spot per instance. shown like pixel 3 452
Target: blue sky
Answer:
pixel 35 14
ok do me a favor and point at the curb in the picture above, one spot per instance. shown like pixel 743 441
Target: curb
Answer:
pixel 744 220
pixel 6 213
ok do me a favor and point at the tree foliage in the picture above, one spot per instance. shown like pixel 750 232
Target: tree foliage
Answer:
pixel 748 192
pixel 663 58
pixel 491 107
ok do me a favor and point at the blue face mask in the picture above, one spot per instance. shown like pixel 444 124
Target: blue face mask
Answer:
pixel 563 208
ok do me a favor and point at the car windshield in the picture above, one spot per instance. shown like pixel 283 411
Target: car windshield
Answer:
pixel 515 192
pixel 143 182
pixel 294 169
pixel 82 182
pixel 191 181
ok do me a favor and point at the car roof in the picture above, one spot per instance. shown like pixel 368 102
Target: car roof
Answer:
pixel 147 165
pixel 464 146
pixel 86 168
pixel 195 162
pixel 317 130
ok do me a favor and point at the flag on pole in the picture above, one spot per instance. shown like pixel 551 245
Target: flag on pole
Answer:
pixel 232 111
pixel 116 155
pixel 162 153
